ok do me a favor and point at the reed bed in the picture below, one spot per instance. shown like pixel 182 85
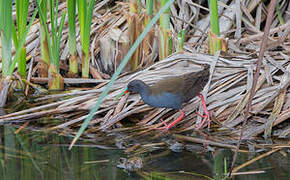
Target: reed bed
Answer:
pixel 226 94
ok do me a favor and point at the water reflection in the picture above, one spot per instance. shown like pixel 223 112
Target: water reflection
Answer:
pixel 36 155
pixel 42 156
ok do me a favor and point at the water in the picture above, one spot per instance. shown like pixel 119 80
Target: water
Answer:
pixel 30 154
pixel 37 155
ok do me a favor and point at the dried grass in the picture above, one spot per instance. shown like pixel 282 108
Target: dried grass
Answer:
pixel 227 93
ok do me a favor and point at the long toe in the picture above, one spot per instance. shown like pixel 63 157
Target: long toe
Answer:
pixel 205 118
pixel 163 128
pixel 166 126
pixel 202 116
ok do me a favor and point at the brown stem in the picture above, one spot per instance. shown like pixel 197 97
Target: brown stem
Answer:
pixel 256 75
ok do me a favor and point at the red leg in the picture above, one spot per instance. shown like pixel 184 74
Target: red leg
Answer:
pixel 206 113
pixel 168 126
pixel 199 115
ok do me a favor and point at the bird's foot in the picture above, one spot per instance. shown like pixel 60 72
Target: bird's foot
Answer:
pixel 205 117
pixel 168 126
pixel 165 127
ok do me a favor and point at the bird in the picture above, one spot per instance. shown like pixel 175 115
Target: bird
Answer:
pixel 173 92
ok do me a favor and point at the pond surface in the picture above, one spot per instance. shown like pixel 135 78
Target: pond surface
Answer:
pixel 35 155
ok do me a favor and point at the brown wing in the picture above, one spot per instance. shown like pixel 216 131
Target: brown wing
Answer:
pixel 172 85
pixel 195 83
pixel 188 85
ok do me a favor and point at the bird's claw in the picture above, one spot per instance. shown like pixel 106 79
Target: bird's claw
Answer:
pixel 205 118
pixel 165 127
pixel 168 126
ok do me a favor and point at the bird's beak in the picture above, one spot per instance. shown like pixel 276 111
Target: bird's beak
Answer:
pixel 121 94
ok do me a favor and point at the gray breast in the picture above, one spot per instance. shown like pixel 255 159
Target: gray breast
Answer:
pixel 164 100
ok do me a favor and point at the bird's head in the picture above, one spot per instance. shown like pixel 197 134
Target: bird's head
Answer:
pixel 135 86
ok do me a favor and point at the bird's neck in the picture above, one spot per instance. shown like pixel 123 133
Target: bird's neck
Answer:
pixel 145 91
